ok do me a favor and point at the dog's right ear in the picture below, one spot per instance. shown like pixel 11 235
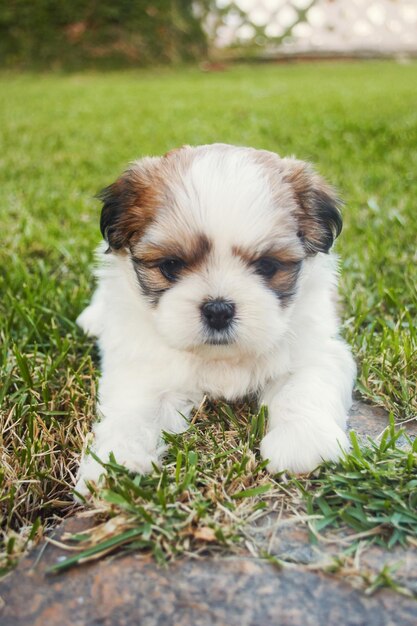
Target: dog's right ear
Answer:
pixel 129 204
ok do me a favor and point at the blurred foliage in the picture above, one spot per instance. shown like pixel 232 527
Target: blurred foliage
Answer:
pixel 100 33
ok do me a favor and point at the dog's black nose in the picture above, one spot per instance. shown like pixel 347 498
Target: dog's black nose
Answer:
pixel 218 313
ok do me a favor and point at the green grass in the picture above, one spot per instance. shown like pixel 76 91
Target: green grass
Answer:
pixel 65 137
pixel 213 487
pixel 372 490
pixel 209 488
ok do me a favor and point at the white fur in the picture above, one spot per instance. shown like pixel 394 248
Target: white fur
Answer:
pixel 156 366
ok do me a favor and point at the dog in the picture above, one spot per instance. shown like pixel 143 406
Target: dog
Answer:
pixel 216 279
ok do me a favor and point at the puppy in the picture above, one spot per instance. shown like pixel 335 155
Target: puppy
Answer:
pixel 216 279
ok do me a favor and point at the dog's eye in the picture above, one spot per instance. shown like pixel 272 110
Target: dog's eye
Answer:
pixel 170 268
pixel 267 267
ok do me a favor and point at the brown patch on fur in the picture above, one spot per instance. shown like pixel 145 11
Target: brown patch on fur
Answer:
pixel 147 258
pixel 192 252
pixel 317 205
pixel 284 281
pixel 152 283
pixel 130 203
pixel 134 202
pixel 283 255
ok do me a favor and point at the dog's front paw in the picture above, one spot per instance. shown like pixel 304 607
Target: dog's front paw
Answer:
pixel 131 455
pixel 299 447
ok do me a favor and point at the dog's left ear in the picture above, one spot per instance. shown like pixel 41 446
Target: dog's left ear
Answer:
pixel 318 214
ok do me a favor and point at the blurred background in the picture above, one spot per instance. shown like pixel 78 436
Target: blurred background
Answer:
pixel 46 34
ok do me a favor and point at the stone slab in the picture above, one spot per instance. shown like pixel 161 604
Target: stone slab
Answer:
pixel 129 591
pixel 370 421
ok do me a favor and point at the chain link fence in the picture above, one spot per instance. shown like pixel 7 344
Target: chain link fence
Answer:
pixel 280 28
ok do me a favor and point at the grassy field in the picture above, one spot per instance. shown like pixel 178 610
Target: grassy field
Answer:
pixel 65 137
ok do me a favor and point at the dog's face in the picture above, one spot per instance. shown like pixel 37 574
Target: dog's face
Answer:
pixel 217 236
